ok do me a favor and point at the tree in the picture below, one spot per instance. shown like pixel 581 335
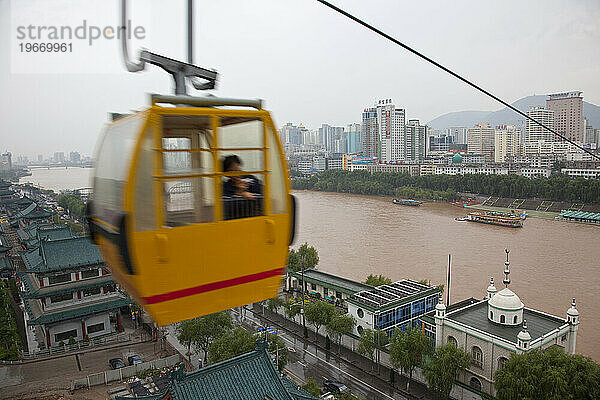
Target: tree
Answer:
pixel 407 350
pixel 275 303
pixel 186 334
pixel 292 308
pixel 378 280
pixel 548 374
pixel 209 328
pixel 9 338
pixel 319 313
pixel 339 325
pixel 232 343
pixel 441 370
pixel 366 344
pixel 306 257
pixel 312 387
pixel 278 349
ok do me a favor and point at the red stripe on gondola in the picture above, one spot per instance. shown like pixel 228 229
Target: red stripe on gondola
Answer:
pixel 159 298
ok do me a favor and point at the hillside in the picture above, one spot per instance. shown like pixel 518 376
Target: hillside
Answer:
pixel 506 115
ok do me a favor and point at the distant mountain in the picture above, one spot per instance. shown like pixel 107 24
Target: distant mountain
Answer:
pixel 506 115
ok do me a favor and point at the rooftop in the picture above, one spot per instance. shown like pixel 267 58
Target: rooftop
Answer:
pixel 386 296
pixel 250 376
pixel 475 316
pixel 61 254
pixel 34 291
pixel 325 279
pixel 73 310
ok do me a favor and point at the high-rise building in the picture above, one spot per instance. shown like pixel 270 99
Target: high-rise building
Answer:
pixel 353 135
pixel 480 140
pixel 383 131
pixel 458 133
pixel 414 141
pixel 508 143
pixel 591 136
pixel 292 134
pixel 6 161
pixel 74 157
pixel 40 158
pixel 369 135
pixel 533 131
pixel 59 157
pixel 568 114
pixel 440 143
pixel 332 138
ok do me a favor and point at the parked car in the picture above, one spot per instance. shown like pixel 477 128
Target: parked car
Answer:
pixel 335 387
pixel 134 359
pixel 116 363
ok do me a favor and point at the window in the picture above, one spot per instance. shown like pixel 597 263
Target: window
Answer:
pixel 91 291
pixel 563 338
pixel 501 362
pixel 57 298
pixel 64 336
pixel 56 279
pixel 502 319
pixel 188 168
pixel 477 356
pixel 515 319
pixel 325 292
pixel 492 315
pixel 95 328
pixel 359 329
pixel 475 383
pixel 89 273
pixel 452 340
pixel 360 313
pixel 338 295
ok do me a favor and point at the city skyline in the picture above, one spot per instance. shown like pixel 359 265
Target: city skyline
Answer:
pixel 401 76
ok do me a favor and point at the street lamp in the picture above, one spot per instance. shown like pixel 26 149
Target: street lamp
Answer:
pixel 302 263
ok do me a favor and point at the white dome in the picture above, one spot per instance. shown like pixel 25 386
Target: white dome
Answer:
pixel 524 336
pixel 507 300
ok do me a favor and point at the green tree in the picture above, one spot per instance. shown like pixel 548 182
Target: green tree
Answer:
pixel 312 387
pixel 275 303
pixel 377 280
pixel 209 328
pixel 292 308
pixel 230 344
pixel 442 369
pixel 340 324
pixel 306 257
pixel 548 374
pixel 319 313
pixel 407 350
pixel 187 332
pixel 9 338
pixel 366 344
pixel 278 350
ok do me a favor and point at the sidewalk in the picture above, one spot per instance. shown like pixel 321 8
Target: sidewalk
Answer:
pixel 382 373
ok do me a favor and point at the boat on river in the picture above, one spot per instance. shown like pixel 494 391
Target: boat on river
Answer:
pixel 407 202
pixel 495 218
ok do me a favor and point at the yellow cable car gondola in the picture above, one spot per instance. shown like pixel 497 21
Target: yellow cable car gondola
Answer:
pixel 185 236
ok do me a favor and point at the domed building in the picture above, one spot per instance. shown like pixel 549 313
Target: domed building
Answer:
pixel 492 329
pixel 457 159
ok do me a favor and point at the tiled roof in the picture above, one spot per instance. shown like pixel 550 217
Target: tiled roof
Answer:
pixel 250 376
pixel 6 263
pixel 69 253
pixel 475 316
pixel 34 291
pixel 32 260
pixel 78 310
pixel 54 232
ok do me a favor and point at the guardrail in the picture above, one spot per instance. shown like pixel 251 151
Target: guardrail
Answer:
pixel 113 375
pixel 100 341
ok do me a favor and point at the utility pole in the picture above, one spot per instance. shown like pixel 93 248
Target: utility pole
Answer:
pixel 302 262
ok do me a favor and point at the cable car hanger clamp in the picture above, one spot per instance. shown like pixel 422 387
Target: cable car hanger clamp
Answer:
pixel 440 66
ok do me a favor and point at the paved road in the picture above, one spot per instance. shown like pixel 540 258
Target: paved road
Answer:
pixel 306 361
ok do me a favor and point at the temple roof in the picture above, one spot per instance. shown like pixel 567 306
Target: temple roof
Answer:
pixel 73 310
pixel 34 291
pixel 62 254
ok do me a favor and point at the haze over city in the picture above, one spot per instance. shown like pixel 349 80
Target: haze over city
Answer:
pixel 309 64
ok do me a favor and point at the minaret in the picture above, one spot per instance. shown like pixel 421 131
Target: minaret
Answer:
pixel 491 290
pixel 440 317
pixel 523 339
pixel 573 320
pixel 506 280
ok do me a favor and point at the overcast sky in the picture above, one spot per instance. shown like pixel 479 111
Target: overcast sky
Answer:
pixel 309 64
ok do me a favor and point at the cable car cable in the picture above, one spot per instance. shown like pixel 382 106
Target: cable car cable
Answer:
pixel 431 61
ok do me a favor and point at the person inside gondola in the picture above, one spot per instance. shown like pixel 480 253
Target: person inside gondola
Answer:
pixel 242 194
